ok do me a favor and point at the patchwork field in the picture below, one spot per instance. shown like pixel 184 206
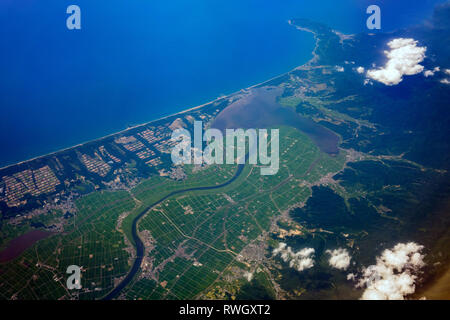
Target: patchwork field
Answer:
pixel 195 236
pixel 190 238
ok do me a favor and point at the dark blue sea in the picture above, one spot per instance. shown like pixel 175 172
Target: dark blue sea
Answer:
pixel 138 60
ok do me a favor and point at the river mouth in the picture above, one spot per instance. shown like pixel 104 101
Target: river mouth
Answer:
pixel 259 109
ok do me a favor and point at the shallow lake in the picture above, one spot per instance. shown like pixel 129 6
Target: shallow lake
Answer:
pixel 259 109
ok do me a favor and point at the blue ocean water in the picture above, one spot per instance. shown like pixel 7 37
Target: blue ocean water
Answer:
pixel 138 60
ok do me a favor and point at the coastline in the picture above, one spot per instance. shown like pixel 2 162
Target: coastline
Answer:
pixel 164 117
pixel 315 56
pixel 436 286
pixel 111 134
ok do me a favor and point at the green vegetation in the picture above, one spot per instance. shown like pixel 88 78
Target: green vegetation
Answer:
pixel 90 241
pixel 194 236
pixel 197 235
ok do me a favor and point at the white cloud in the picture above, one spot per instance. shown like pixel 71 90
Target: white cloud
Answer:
pixel 351 276
pixel 394 275
pixel 428 73
pixel 300 260
pixel 340 259
pixel 339 69
pixel 446 81
pixel 360 70
pixel 403 59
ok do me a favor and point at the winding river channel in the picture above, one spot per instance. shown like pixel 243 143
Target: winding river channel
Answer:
pixel 257 110
pixel 140 246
